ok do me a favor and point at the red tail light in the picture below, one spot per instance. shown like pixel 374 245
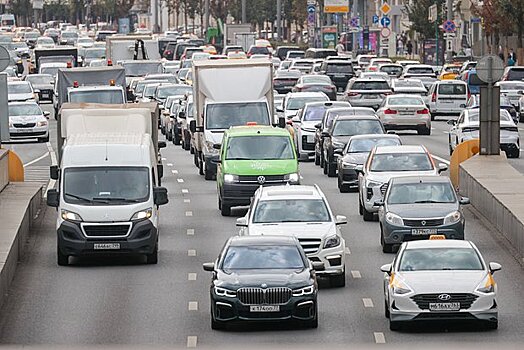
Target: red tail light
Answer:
pixel 390 111
pixel 75 84
pixel 353 94
pixel 423 111
pixel 434 97
pixel 109 62
pixel 469 94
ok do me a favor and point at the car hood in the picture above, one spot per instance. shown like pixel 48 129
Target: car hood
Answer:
pixel 24 96
pixel 214 136
pixel 297 229
pixel 355 158
pixel 309 124
pixel 341 139
pixel 256 278
pixel 260 167
pixel 423 210
pixel 443 281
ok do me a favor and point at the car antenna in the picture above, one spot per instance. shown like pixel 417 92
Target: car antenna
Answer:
pixel 106 151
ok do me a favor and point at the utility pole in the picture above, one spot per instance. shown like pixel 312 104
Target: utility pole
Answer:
pixel 449 39
pixel 437 41
pixel 279 19
pixel 206 15
pixel 244 16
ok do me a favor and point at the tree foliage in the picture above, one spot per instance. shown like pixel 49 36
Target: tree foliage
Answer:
pixel 418 13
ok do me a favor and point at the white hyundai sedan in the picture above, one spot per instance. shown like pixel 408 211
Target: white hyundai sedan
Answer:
pixel 440 280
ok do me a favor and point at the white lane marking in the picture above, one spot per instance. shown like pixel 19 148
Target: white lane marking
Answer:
pixel 37 159
pixel 367 302
pixel 185 190
pixel 192 341
pixel 441 159
pixel 192 276
pixel 164 158
pixel 169 164
pixel 187 200
pixel 192 306
pixel 190 231
pixel 347 251
pixel 189 213
pixel 445 132
pixel 174 171
pixel 191 252
pixel 356 274
pixel 379 338
pixel 180 180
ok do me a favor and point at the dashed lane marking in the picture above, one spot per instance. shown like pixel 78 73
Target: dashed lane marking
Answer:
pixel 187 200
pixel 185 190
pixel 190 231
pixel 191 252
pixel 367 302
pixel 37 159
pixel 192 341
pixel 440 159
pixel 189 213
pixel 180 180
pixel 192 306
pixel 164 158
pixel 174 171
pixel 379 338
pixel 169 164
pixel 192 276
pixel 356 274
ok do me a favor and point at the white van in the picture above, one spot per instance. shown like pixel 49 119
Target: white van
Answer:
pixel 447 97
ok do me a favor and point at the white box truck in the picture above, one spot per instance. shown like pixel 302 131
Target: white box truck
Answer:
pixel 108 191
pixel 131 47
pixel 228 93
pixel 231 29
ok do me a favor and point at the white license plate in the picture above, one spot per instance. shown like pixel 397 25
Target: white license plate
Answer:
pixel 446 101
pixel 264 308
pixel 369 97
pixel 310 138
pixel 423 231
pixel 444 306
pixel 106 246
pixel 406 113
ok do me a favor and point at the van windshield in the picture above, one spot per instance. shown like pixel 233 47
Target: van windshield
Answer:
pixel 225 115
pixel 106 185
pixel 141 68
pixel 97 96
pixel 259 148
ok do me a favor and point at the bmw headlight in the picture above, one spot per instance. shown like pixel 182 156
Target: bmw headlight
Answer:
pixel 304 291
pixel 487 285
pixel 142 214
pixel 223 292
pixel 332 241
pixel 394 219
pixel 230 178
pixel 292 178
pixel 70 216
pixel 452 218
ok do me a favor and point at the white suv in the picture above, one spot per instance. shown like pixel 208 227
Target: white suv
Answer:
pixel 303 212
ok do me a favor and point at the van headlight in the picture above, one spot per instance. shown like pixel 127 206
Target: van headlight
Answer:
pixel 142 214
pixel 292 178
pixel 394 219
pixel 230 178
pixel 70 216
pixel 304 291
pixel 452 218
pixel 332 241
pixel 371 183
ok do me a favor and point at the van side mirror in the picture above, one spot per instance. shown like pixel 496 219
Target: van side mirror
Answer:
pixel 282 122
pixel 160 196
pixel 192 126
pixel 442 167
pixel 182 115
pixel 464 200
pixel 53 198
pixel 493 267
pixel 162 144
pixel 54 172
pixel 217 145
pixel 242 222
pixel 341 220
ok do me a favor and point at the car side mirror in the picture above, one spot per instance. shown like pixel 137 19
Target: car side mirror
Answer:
pixel 442 167
pixel 54 172
pixel 493 267
pixel 464 200
pixel 53 198
pixel 295 119
pixel 386 268
pixel 318 126
pixel 280 110
pixel 208 266
pixel 217 145
pixel 282 122
pixel 341 220
pixel 160 196
pixel 359 168
pixel 47 114
pixel 192 126
pixel 162 144
pixel 324 134
pixel 391 132
pixel 378 203
pixel 451 122
pixel 182 115
pixel 338 150
pixel 242 222
pixel 318 265
pixel 36 91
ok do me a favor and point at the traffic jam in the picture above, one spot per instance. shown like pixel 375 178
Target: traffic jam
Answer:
pixel 252 119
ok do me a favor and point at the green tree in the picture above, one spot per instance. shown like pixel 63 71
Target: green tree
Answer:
pixel 418 13
pixel 514 11
pixel 23 10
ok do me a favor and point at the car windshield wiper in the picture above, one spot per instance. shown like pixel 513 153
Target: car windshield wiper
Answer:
pixel 296 220
pixel 79 197
pixel 239 158
pixel 428 201
pixel 115 199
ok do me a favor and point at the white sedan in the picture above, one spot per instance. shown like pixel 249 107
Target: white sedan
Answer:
pixel 440 280
pixel 404 112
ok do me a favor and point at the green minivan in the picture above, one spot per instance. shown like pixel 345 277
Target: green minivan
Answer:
pixel 252 156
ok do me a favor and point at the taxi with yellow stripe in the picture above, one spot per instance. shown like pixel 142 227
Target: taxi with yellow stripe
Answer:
pixel 440 280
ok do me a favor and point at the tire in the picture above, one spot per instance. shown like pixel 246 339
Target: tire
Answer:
pixel 152 259
pixel 343 188
pixel 386 248
pixel 368 216
pixel 186 144
pixel 449 145
pixel 176 137
pixel 492 325
pixel 317 159
pixel 338 281
pixel 360 207
pixel 191 148
pixel 225 209
pixel 331 169
pixel 424 131
pixel 386 309
pixel 208 175
pixel 61 259
pixel 169 135
pixel 44 139
pixel 56 113
pixel 395 325
pixel 322 163
pixel 217 325
pixel 195 159
pixel 313 324
pixel 515 154
pixel 200 165
pixel 162 130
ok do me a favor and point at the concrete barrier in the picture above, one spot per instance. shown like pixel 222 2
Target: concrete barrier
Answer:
pixel 496 190
pixel 4 171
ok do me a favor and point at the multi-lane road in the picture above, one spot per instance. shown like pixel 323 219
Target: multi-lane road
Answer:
pixel 123 301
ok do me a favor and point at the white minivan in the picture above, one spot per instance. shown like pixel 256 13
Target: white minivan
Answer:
pixel 447 97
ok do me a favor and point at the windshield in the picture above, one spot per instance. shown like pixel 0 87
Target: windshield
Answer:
pixel 339 68
pixel 40 79
pixel 106 185
pixel 401 162
pixel 96 96
pixel 366 145
pixel 259 148
pixel 318 79
pixel 291 210
pixel 69 35
pixel 25 109
pixel 370 85
pixel 262 257
pixel 511 86
pixel 163 92
pixel 420 70
pixel 295 103
pixel 516 74
pixel 95 53
pixel 357 127
pixel 225 115
pixel 314 113
pixel 149 90
pixel 403 101
pixel 434 259
pixel 141 68
pixel 410 193
pixel 19 88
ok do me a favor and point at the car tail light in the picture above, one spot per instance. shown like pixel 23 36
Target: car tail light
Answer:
pixel 168 53
pixel 434 97
pixel 353 94
pixel 423 111
pixel 390 111
pixel 109 62
pixel 388 93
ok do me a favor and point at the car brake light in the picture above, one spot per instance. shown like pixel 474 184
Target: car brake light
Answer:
pixel 423 111
pixel 390 111
pixel 109 62
pixel 434 97
pixel 69 65
pixel 75 84
pixel 251 123
pixel 353 94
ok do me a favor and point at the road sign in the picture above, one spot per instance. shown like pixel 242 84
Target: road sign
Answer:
pixel 432 15
pixel 310 8
pixel 385 8
pixel 385 21
pixel 449 26
pixel 385 32
pixel 376 19
pixel 354 22
pixel 336 6
pixel 311 18
pixel 489 63
pixel 311 2
pixel 5 59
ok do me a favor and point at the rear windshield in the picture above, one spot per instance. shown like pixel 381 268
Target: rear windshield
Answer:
pixel 357 127
pixel 452 89
pixel 421 70
pixel 339 68
pixel 405 101
pixel 516 74
pixel 391 69
pixel 370 85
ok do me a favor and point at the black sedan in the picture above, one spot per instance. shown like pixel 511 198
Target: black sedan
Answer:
pixel 284 80
pixel 263 278
pixel 44 84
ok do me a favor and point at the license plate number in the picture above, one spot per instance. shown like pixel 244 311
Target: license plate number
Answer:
pixel 369 97
pixel 444 306
pixel 406 113
pixel 106 246
pixel 423 231
pixel 264 308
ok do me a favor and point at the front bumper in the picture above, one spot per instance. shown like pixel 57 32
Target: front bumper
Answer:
pixel 334 260
pixel 370 195
pixel 306 144
pixel 239 194
pixel 348 176
pixel 27 133
pixel 142 239
pixel 397 234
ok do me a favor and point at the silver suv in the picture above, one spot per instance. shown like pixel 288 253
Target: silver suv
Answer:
pixel 367 92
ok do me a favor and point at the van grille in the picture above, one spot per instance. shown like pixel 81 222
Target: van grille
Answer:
pixel 106 230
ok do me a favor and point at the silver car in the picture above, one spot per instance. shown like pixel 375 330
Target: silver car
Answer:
pixel 440 280
pixel 27 121
pixel 367 92
pixel 513 90
pixel 405 112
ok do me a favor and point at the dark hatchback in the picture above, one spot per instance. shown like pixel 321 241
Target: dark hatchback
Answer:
pixel 284 80
pixel 44 84
pixel 340 72
pixel 263 278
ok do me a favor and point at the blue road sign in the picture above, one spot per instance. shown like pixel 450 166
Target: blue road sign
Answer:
pixel 376 19
pixel 449 26
pixel 354 22
pixel 310 8
pixel 385 21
